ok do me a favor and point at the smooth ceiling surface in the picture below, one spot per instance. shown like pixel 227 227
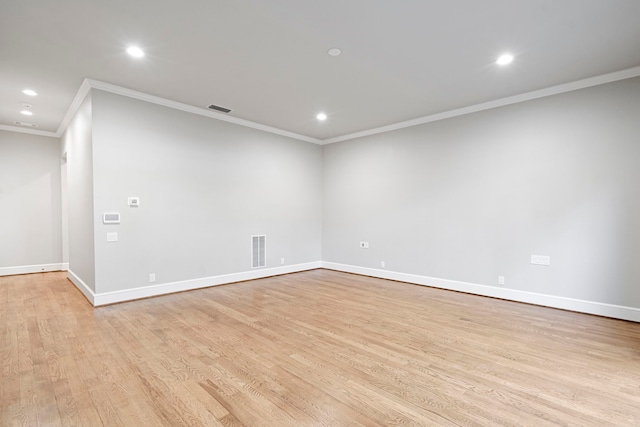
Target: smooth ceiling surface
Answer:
pixel 268 61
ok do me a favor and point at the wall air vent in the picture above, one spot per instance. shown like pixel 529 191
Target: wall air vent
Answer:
pixel 31 125
pixel 258 251
pixel 219 108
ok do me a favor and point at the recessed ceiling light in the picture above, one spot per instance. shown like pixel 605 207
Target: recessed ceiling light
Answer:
pixel 505 59
pixel 30 92
pixel 334 52
pixel 26 112
pixel 321 117
pixel 135 51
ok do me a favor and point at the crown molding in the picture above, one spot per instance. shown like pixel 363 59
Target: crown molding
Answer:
pixel 73 108
pixel 89 84
pixel 28 130
pixel 541 93
pixel 107 87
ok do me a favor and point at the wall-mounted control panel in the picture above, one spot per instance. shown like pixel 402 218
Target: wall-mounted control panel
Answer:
pixel 111 218
pixel 540 260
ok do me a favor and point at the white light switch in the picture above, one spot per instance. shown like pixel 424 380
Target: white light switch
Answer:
pixel 134 201
pixel 112 237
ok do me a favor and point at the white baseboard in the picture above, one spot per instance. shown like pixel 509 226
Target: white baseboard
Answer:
pixel 86 290
pixel 28 269
pixel 582 306
pixel 572 304
pixel 98 299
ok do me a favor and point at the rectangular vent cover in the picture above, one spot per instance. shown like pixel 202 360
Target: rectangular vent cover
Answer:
pixel 219 108
pixel 31 125
pixel 258 251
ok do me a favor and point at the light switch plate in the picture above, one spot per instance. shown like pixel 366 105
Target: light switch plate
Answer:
pixel 134 202
pixel 112 237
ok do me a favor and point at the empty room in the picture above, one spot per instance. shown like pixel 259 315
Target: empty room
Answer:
pixel 337 213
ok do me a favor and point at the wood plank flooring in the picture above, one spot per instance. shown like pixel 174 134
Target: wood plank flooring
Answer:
pixel 318 348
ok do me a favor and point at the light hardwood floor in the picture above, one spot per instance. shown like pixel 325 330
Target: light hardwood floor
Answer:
pixel 319 348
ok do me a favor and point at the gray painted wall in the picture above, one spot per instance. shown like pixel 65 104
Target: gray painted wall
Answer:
pixel 464 199
pixel 77 144
pixel 205 187
pixel 29 200
pixel 473 197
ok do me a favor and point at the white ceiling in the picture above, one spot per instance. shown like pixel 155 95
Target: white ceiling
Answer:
pixel 268 61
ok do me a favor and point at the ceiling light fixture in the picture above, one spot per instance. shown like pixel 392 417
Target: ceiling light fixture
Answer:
pixel 505 59
pixel 30 92
pixel 135 51
pixel 322 117
pixel 334 51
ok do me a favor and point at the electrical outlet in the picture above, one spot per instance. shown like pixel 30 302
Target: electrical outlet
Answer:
pixel 500 280
pixel 112 237
pixel 281 261
pixel 152 277
pixel 364 245
pixel 382 264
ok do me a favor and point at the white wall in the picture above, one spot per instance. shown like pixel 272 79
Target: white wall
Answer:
pixel 205 187
pixel 30 233
pixel 64 201
pixel 471 198
pixel 458 201
pixel 77 145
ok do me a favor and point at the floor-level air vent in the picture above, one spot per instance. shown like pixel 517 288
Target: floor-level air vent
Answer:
pixel 219 108
pixel 258 251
